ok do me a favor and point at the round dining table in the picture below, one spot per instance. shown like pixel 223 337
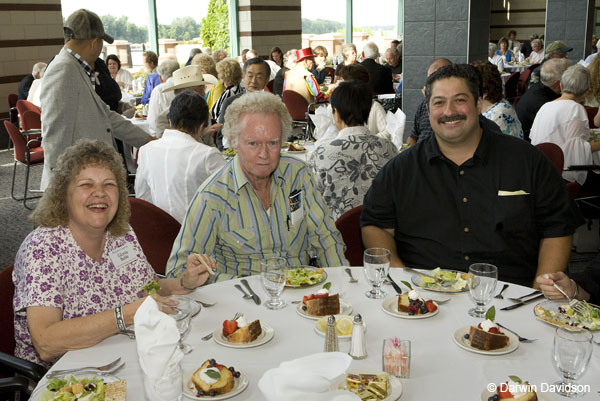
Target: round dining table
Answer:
pixel 515 68
pixel 439 368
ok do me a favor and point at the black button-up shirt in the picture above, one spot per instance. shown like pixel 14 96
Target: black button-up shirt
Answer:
pixel 530 104
pixel 452 216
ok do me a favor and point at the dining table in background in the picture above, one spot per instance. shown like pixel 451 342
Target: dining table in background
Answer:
pixel 439 367
pixel 515 68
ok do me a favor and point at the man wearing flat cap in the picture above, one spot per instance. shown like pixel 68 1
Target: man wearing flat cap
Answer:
pixel 71 109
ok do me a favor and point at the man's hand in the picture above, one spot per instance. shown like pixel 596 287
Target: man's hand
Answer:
pixel 546 284
pixel 197 271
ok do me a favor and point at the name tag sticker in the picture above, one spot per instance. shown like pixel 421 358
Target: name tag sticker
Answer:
pixel 122 256
pixel 296 210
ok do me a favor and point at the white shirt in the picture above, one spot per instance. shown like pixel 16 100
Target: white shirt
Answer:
pixel 34 92
pixel 565 123
pixel 159 102
pixel 171 169
pixel 536 57
pixel 498 61
pixel 125 77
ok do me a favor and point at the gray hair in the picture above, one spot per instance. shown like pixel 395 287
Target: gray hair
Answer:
pixel 255 103
pixel 552 70
pixel 167 68
pixel 347 47
pixel 219 55
pixel 39 68
pixel 371 50
pixel 394 51
pixel 492 47
pixel 290 58
pixel 576 80
pixel 538 41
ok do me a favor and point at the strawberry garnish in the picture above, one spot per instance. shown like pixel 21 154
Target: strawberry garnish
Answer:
pixel 229 326
pixel 494 330
pixel 503 391
pixel 430 306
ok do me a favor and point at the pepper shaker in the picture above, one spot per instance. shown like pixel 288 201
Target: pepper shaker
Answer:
pixel 358 348
pixel 331 338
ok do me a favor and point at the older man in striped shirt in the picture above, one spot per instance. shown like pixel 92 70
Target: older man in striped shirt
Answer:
pixel 260 204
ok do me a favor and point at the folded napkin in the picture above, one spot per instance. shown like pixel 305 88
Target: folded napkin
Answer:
pixel 156 336
pixel 395 126
pixel 307 379
pixel 322 120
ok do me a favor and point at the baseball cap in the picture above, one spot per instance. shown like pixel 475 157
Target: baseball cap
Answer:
pixel 558 46
pixel 84 24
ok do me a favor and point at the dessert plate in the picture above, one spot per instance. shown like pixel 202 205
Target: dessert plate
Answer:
pixel 36 395
pixel 395 385
pixel 307 283
pixel 267 335
pixel 345 309
pixel 541 396
pixel 416 280
pixel 189 390
pixel 321 327
pixel 461 341
pixel 558 319
pixel 390 306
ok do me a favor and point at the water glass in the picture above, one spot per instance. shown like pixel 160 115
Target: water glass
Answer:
pixel 376 266
pixel 182 321
pixel 273 275
pixel 572 352
pixel 482 282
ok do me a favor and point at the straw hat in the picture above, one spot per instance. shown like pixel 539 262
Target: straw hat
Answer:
pixel 190 76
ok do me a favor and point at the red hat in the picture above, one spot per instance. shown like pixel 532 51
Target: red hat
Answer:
pixel 304 53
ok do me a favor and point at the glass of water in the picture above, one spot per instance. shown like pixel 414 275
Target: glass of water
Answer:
pixel 273 275
pixel 182 321
pixel 482 282
pixel 572 352
pixel 376 266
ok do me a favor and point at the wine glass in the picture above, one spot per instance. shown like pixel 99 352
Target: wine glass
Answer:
pixel 572 352
pixel 376 266
pixel 273 275
pixel 182 321
pixel 482 282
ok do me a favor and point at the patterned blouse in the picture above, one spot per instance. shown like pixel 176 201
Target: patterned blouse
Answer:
pixel 503 114
pixel 345 167
pixel 52 270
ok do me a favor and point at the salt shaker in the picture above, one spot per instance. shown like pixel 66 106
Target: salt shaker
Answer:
pixel 331 338
pixel 358 348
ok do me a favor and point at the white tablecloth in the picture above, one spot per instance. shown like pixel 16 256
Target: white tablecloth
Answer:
pixel 440 370
pixel 515 68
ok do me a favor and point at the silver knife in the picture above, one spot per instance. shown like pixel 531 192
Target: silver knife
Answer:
pixel 525 302
pixel 255 297
pixel 410 270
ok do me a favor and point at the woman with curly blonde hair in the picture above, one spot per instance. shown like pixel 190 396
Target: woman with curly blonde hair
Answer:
pixel 592 97
pixel 79 275
pixel 230 74
pixel 208 66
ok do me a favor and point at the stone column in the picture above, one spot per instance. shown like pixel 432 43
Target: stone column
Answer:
pixel 264 24
pixel 572 22
pixel 455 29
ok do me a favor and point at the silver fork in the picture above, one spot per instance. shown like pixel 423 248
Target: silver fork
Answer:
pixel 104 368
pixel 209 335
pixel 349 272
pixel 499 296
pixel 521 339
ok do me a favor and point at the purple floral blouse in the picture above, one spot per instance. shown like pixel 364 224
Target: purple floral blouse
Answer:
pixel 52 270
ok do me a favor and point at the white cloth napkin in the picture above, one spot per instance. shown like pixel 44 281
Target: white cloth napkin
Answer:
pixel 156 336
pixel 307 379
pixel 323 121
pixel 395 126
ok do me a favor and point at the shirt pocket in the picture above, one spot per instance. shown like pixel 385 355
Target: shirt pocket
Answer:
pixel 243 240
pixel 514 214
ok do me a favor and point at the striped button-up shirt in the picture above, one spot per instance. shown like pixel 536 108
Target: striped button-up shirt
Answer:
pixel 227 220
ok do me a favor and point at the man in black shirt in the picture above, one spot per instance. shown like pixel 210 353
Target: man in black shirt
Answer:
pixel 542 92
pixel 25 84
pixel 470 194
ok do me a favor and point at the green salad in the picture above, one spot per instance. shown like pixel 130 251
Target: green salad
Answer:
pixel 445 276
pixel 301 276
pixel 71 389
pixel 565 315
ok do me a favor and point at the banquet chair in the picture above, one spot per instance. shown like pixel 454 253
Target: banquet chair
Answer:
pixel 510 88
pixel 24 105
pixel 18 376
pixel 28 153
pixel 297 107
pixel 12 100
pixel 349 226
pixel 31 120
pixel 156 231
pixel 330 72
pixel 591 113
pixel 555 154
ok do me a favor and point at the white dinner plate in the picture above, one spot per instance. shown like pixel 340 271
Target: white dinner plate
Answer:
pixel 551 305
pixel 461 341
pixel 395 384
pixel 390 306
pixel 35 396
pixel 345 309
pixel 486 394
pixel 267 335
pixel 416 280
pixel 337 317
pixel 189 390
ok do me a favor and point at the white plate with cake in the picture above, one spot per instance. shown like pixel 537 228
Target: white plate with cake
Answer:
pixel 226 386
pixel 244 338
pixel 318 307
pixel 490 344
pixel 400 306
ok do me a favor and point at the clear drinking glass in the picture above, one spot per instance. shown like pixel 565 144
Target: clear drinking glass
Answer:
pixel 572 352
pixel 376 266
pixel 482 282
pixel 273 276
pixel 182 321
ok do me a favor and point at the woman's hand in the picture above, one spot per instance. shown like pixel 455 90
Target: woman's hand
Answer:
pixel 546 283
pixel 197 272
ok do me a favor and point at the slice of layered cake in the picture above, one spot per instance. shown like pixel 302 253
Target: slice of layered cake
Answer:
pixel 321 304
